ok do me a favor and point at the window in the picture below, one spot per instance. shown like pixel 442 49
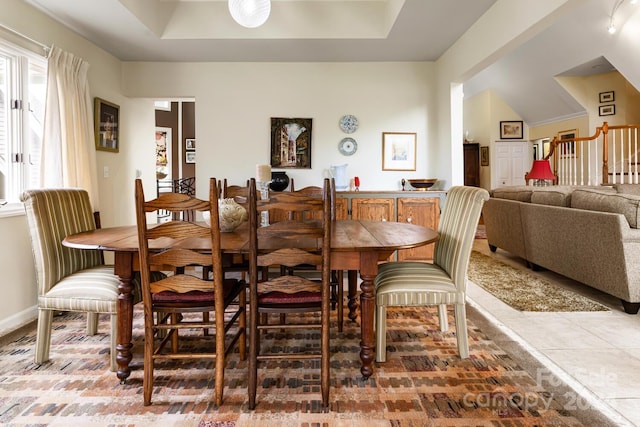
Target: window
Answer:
pixel 23 81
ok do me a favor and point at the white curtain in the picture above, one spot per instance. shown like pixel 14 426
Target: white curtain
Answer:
pixel 68 148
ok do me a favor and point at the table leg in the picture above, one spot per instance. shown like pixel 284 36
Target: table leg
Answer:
pixel 352 278
pixel 368 271
pixel 123 267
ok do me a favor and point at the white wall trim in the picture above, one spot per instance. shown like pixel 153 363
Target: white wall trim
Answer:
pixel 12 209
pixel 18 320
pixel 558 119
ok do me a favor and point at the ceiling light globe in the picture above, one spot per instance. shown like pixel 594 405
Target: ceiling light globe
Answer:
pixel 250 13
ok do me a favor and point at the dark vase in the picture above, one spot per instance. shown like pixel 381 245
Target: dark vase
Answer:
pixel 279 181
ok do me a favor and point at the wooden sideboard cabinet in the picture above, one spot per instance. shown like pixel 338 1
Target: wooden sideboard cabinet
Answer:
pixel 423 211
pixel 374 209
pixel 342 208
pixel 415 207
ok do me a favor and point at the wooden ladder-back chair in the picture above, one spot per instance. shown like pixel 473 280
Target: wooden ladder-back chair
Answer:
pixel 237 192
pixel 337 276
pixel 290 243
pixel 68 279
pixel 236 262
pixel 174 303
pixel 441 283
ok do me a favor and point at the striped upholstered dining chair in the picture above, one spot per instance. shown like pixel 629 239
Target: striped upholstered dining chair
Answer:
pixel 441 283
pixel 67 279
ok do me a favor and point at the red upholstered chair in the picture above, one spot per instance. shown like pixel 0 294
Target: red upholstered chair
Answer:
pixel 174 305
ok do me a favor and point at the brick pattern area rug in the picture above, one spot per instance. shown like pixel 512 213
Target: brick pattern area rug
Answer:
pixel 524 291
pixel 423 383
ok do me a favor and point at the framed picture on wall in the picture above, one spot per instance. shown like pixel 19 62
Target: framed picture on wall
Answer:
pixel 484 155
pixel 189 156
pixel 607 110
pixel 106 125
pixel 291 143
pixel 163 153
pixel 398 151
pixel 607 96
pixel 190 144
pixel 511 129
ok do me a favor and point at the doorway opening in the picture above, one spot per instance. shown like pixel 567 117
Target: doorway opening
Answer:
pixel 175 141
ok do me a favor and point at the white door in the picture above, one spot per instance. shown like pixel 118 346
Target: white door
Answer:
pixel 512 160
pixel 520 161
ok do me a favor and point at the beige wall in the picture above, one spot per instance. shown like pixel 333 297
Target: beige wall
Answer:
pixel 235 102
pixel 18 288
pixel 633 104
pixel 550 130
pixel 482 116
pixel 477 122
pixel 586 91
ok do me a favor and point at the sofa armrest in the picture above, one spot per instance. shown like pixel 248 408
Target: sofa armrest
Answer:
pixel 503 225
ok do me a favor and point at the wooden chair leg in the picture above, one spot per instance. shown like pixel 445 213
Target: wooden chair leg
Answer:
pixel 174 333
pixel 352 278
pixel 340 298
pixel 205 319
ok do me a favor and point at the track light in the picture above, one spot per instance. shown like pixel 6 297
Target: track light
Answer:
pixel 612 26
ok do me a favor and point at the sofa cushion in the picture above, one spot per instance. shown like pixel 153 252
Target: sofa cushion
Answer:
pixel 605 201
pixel 519 193
pixel 556 195
pixel 628 188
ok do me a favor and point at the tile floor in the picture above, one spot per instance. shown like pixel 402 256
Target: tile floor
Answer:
pixel 596 353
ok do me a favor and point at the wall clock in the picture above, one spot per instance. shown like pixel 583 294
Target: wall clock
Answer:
pixel 348 123
pixel 347 146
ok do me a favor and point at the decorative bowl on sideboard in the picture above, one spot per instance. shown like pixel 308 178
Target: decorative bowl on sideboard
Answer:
pixel 422 184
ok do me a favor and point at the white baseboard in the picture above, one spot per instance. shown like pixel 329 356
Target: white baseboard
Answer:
pixel 18 320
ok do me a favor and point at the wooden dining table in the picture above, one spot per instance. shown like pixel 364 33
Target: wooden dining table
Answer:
pixel 356 245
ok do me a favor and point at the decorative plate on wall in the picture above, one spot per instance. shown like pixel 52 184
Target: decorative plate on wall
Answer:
pixel 348 123
pixel 347 146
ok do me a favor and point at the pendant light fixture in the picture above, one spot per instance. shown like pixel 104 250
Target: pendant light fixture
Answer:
pixel 250 13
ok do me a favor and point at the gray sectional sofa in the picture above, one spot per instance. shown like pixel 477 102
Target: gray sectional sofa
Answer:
pixel 589 234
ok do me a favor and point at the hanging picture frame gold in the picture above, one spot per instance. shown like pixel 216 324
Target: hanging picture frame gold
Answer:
pixel 106 125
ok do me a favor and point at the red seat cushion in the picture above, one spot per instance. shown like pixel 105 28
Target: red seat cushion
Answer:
pixel 303 297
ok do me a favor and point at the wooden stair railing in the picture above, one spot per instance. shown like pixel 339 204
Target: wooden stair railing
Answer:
pixel 586 160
